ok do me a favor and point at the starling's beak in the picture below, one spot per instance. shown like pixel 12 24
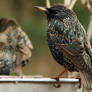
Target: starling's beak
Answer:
pixel 41 8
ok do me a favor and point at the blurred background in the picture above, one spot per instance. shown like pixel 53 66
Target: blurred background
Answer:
pixel 33 23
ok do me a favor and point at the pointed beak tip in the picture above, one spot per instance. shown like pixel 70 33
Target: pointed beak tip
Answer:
pixel 40 8
pixel 36 6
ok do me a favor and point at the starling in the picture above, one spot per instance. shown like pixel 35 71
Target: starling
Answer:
pixel 15 47
pixel 68 41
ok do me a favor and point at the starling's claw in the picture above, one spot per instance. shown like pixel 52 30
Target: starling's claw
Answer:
pixel 58 85
pixel 58 76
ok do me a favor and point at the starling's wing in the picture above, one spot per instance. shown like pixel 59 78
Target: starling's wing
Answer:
pixel 24 47
pixel 88 47
pixel 75 48
pixel 69 35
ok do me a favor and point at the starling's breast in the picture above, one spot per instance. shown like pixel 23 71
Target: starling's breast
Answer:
pixel 63 32
pixel 58 54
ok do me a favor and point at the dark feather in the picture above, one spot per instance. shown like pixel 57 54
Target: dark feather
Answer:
pixel 68 41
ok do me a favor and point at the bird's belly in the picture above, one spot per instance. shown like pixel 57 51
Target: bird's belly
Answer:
pixel 57 54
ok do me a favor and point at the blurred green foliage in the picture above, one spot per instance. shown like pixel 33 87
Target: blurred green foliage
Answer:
pixel 33 23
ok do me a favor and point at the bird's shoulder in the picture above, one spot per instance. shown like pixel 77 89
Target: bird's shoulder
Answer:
pixel 66 29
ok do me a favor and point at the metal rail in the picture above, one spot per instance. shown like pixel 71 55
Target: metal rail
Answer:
pixel 33 79
pixel 37 84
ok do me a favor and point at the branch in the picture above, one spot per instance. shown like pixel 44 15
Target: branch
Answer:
pixel 69 3
pixel 72 4
pixel 88 5
pixel 48 3
pixel 90 28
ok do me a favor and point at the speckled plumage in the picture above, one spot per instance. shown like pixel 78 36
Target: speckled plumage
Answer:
pixel 58 31
pixel 15 47
pixel 68 32
pixel 68 41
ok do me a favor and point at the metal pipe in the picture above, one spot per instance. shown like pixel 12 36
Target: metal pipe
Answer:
pixel 34 79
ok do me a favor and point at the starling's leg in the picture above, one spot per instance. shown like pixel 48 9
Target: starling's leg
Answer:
pixel 58 76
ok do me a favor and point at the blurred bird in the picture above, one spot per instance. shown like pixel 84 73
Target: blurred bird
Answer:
pixel 68 42
pixel 15 47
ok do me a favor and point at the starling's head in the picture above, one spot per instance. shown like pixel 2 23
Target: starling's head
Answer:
pixel 56 11
pixel 5 23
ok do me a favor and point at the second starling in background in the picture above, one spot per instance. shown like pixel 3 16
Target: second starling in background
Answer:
pixel 68 42
pixel 15 47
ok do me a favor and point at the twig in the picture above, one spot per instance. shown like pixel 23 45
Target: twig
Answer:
pixel 48 3
pixel 88 5
pixel 69 3
pixel 72 4
pixel 90 28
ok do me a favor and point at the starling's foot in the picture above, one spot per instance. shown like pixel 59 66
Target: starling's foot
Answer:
pixel 58 76
pixel 58 85
pixel 80 83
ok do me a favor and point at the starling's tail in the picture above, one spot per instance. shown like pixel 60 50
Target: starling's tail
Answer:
pixel 86 80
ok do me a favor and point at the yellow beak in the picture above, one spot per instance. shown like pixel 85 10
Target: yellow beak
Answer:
pixel 41 8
